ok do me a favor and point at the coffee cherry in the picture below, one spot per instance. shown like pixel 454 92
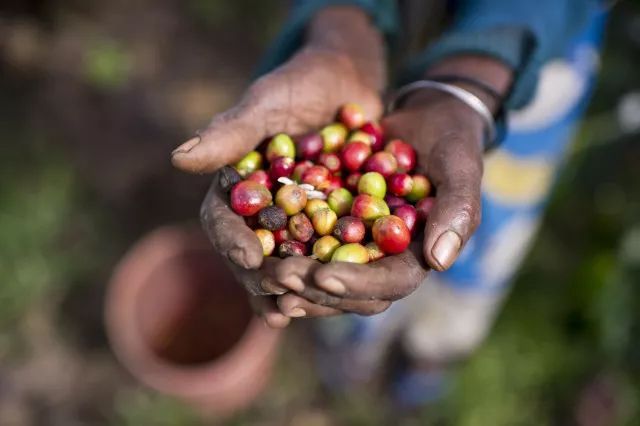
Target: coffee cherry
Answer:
pixel 272 218
pixel 281 145
pixel 248 198
pixel 351 182
pixel 374 252
pixel 261 177
pixel 354 155
pixel 335 182
pixel 227 178
pixel 391 234
pixel 249 163
pixel 315 205
pixel 400 184
pixel 424 207
pixel 282 235
pixel 291 198
pixel 267 240
pixel 333 136
pixel 404 154
pixel 349 229
pixel 340 201
pixel 324 248
pixel 309 146
pixel 316 176
pixel 331 161
pixel 352 253
pixel 420 189
pixel 300 227
pixel 360 136
pixel 381 162
pixel 377 136
pixel 369 208
pixel 352 116
pixel 372 183
pixel 292 248
pixel 324 220
pixel 394 201
pixel 299 170
pixel 409 216
pixel 281 167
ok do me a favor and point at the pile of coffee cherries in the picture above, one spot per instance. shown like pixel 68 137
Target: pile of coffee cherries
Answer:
pixel 330 194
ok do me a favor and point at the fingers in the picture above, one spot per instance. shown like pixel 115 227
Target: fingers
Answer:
pixel 390 278
pixel 295 306
pixel 228 137
pixel 457 174
pixel 267 308
pixel 259 282
pixel 228 232
pixel 294 273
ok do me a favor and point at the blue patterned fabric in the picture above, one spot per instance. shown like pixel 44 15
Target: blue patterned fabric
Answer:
pixel 518 178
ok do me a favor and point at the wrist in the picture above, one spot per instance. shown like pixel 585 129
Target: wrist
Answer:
pixel 348 33
pixel 486 70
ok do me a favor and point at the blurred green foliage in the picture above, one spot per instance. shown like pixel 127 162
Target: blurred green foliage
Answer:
pixel 107 65
pixel 136 407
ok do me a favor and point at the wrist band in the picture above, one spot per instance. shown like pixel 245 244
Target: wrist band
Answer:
pixel 468 98
pixel 478 84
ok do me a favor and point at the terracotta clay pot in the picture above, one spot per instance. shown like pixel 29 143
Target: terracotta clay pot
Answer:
pixel 181 325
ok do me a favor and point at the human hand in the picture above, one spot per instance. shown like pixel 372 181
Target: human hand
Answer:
pixel 302 95
pixel 342 62
pixel 448 138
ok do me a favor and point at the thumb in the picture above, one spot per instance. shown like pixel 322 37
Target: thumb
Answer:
pixel 457 174
pixel 229 136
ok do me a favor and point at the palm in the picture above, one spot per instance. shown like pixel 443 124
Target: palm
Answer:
pixel 300 96
pixel 305 93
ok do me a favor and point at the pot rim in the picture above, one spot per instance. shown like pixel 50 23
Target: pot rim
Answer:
pixel 126 337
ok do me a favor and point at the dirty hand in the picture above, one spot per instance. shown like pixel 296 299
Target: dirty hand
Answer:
pixel 303 94
pixel 448 137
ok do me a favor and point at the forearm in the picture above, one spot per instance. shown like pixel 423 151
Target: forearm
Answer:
pixel 349 32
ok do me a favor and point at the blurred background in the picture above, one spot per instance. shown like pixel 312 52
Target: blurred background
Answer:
pixel 93 97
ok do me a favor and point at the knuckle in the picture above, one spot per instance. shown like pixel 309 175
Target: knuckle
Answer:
pixel 320 297
pixel 205 216
pixel 413 275
pixel 415 278
pixel 374 308
pixel 285 268
pixel 468 212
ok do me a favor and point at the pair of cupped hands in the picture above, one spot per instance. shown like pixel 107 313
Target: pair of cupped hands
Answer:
pixel 301 96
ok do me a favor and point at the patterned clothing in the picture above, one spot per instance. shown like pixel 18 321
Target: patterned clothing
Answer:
pixel 553 47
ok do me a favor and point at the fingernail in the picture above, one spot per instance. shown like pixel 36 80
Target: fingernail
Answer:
pixel 297 313
pixel 236 255
pixel 446 249
pixel 187 146
pixel 294 283
pixel 333 285
pixel 269 286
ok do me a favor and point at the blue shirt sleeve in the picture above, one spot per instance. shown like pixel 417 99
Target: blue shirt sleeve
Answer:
pixel 524 34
